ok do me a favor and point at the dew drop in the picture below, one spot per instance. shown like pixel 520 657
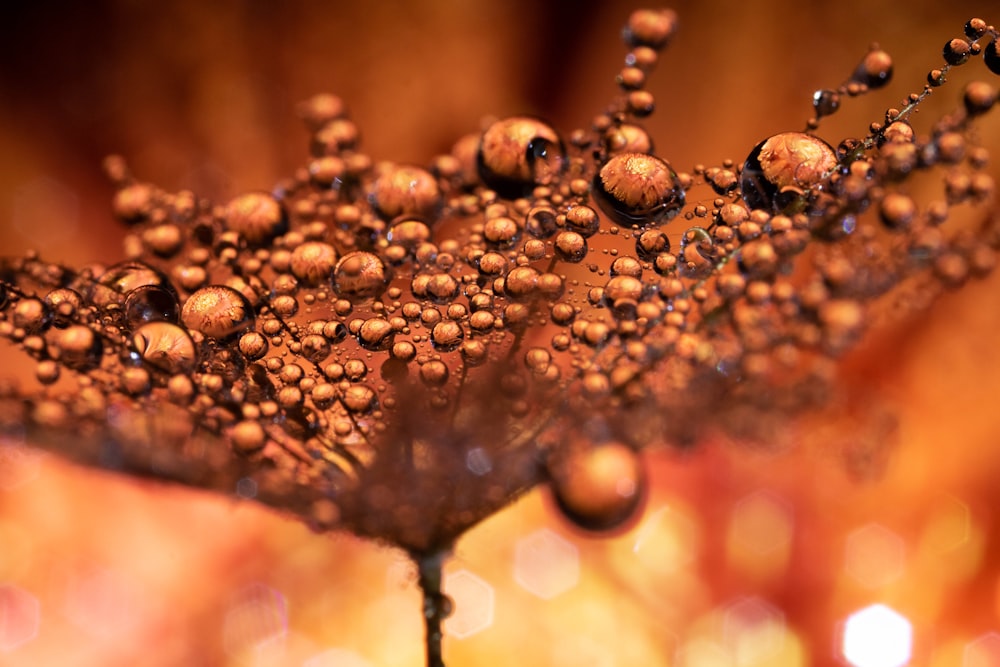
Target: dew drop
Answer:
pixel 359 275
pixel 253 346
pixel 256 216
pixel 638 189
pixel 312 262
pixel 570 246
pixel 541 222
pixel 653 28
pixel 979 97
pixel 874 70
pixel 247 437
pixel 599 487
pixel 516 154
pixel 359 399
pixel 120 279
pixel 825 102
pixel 447 336
pixel 32 315
pixel 166 346
pixel 991 56
pixel 785 162
pixel 956 52
pixel 79 347
pixel 150 303
pixel 403 190
pixel 376 334
pixel 217 311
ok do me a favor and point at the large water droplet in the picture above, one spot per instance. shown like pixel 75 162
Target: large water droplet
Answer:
pixel 598 487
pixel 781 167
pixel 166 346
pixel 638 189
pixel 403 190
pixel 516 154
pixel 256 216
pixel 217 311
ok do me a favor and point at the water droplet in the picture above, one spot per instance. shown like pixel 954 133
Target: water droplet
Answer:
pixel 653 28
pixel 897 211
pixel 133 203
pixel 638 189
pixel 256 216
pixel 979 97
pixel 403 190
pixel 217 311
pixel 247 437
pixel 570 246
pixel 166 346
pixel 501 232
pixel 253 346
pixel 991 56
pixel 521 282
pixel 359 398
pixel 32 315
pixel 120 279
pixel 874 70
pixel 956 52
pixel 541 222
pixel 79 347
pixel 975 28
pixel 376 334
pixel 516 154
pixel 785 162
pixel 434 373
pixel 150 303
pixel 598 487
pixel 826 102
pixel 447 336
pixel 651 243
pixel 627 138
pixel 360 275
pixel 313 262
pixel 409 233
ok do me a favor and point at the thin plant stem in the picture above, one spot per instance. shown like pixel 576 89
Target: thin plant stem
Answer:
pixel 436 605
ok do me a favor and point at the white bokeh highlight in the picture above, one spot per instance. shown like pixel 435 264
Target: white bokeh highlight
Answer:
pixel 877 636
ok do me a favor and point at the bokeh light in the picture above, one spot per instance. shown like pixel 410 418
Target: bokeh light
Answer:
pixel 877 636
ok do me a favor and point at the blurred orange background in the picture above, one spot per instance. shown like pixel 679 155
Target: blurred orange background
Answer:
pixel 743 557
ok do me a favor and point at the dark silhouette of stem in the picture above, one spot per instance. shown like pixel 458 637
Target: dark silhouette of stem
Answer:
pixel 436 604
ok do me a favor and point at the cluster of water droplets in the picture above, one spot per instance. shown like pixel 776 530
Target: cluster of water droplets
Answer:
pixel 400 350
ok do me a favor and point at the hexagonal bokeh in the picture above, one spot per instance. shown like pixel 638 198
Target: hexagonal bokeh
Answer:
pixel 256 620
pixel 875 556
pixel 754 631
pixel 877 636
pixel 983 651
pixel 762 522
pixel 20 617
pixel 473 604
pixel 545 564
